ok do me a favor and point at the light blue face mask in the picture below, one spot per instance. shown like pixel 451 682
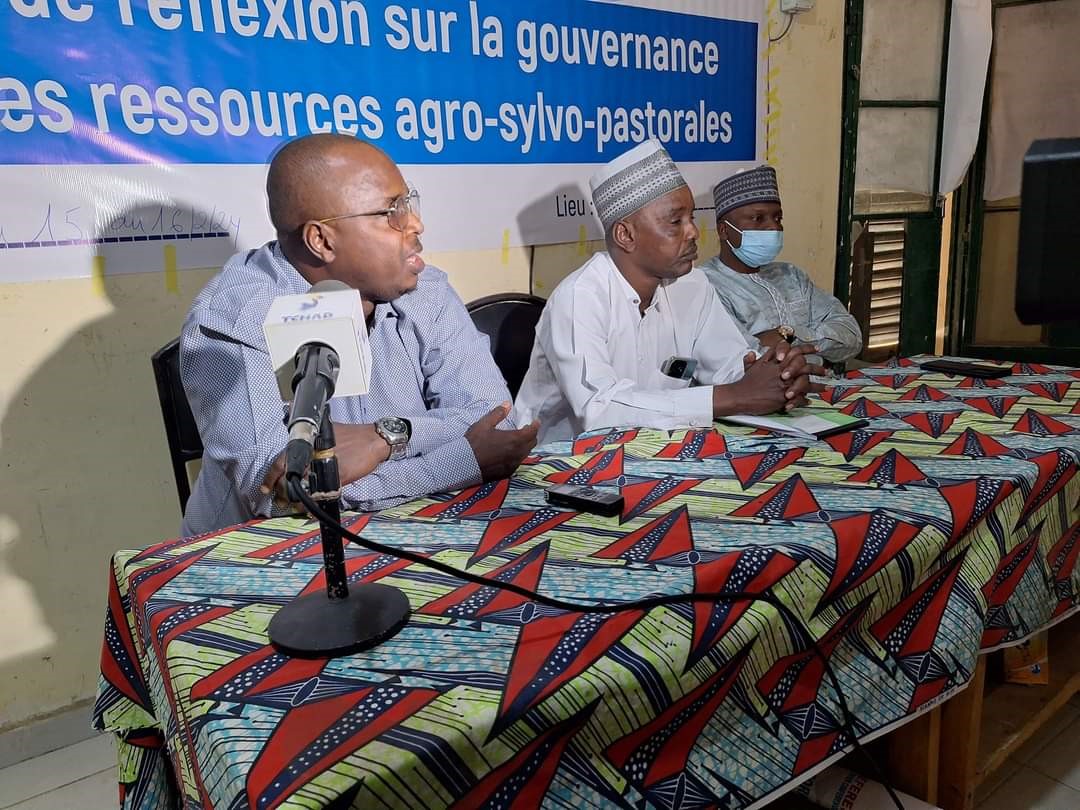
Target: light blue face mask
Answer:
pixel 758 247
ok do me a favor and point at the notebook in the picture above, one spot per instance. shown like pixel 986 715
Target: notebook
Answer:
pixel 807 423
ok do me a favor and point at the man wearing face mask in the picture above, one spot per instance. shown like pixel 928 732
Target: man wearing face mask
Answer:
pixel 634 338
pixel 774 301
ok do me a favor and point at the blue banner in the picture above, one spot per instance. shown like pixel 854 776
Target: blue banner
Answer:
pixel 448 82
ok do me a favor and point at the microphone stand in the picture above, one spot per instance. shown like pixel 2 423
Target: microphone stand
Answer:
pixel 345 619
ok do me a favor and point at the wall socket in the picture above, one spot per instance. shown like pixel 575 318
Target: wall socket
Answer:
pixel 796 6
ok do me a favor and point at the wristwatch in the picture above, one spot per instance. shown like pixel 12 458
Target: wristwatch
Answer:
pixel 397 432
pixel 787 333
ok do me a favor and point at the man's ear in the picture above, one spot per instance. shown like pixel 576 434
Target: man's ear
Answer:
pixel 622 234
pixel 319 240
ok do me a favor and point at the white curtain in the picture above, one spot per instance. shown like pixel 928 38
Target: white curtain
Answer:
pixel 970 36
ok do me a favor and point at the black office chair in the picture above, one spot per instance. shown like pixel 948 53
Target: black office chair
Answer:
pixel 509 321
pixel 180 429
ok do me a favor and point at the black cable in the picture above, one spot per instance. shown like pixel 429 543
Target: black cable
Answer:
pixel 790 18
pixel 583 607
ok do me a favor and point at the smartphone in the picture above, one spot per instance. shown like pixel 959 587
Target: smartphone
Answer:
pixel 681 368
pixel 604 502
pixel 980 370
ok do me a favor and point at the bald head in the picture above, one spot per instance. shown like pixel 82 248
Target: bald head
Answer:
pixel 307 178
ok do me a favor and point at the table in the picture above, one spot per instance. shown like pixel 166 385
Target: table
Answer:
pixel 950 525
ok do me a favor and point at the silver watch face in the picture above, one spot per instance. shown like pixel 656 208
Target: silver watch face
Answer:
pixel 395 426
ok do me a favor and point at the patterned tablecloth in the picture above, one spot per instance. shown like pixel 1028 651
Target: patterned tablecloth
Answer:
pixel 950 525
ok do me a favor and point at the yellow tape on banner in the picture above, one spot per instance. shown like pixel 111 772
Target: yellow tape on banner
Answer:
pixel 171 281
pixel 506 247
pixel 97 276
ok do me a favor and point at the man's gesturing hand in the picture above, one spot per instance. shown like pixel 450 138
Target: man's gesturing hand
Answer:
pixel 499 452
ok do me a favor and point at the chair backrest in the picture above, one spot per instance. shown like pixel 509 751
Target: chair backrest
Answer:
pixel 180 428
pixel 509 321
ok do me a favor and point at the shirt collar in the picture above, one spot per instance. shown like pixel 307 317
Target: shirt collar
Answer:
pixel 294 283
pixel 288 276
pixel 630 294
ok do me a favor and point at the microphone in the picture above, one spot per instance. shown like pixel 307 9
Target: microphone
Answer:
pixel 313 384
pixel 319 349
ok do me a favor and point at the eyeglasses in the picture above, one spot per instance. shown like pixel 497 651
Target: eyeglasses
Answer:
pixel 397 215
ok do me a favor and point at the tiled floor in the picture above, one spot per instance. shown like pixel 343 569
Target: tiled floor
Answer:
pixel 1043 775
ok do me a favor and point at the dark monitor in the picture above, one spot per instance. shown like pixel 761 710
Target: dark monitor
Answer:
pixel 1048 261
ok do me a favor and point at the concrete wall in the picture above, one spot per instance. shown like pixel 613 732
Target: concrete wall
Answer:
pixel 84 468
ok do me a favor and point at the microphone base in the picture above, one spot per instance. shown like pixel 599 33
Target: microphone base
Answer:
pixel 315 626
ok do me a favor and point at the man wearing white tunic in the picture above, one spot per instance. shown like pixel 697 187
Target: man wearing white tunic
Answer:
pixel 603 340
pixel 771 300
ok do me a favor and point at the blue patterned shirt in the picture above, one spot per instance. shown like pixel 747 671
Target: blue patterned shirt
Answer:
pixel 430 365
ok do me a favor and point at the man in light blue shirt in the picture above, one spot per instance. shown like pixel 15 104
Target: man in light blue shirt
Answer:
pixel 342 211
pixel 773 301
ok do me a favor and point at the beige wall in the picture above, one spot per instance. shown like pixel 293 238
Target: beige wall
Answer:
pixel 84 466
pixel 996 323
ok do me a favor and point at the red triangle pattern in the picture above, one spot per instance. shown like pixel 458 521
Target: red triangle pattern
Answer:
pixel 864 408
pixel 303 546
pixel 900 380
pixel 994 406
pixel 148 581
pixel 367 567
pixel 864 545
pixel 324 732
pixel 471 502
pixel 644 496
pixel 120 663
pixel 590 444
pixel 1036 369
pixel 274 670
pixel 472 600
pixel 838 392
pixel 658 539
pixel 513 530
pixel 661 748
pixel 699 444
pixel 788 499
pixel 976 382
pixel 170 623
pixel 1050 390
pixel 975 444
pixel 856 442
pixel 752 571
pixel 552 650
pixel 604 466
pixel 891 468
pixel 521 782
pixel 924 393
pixel 1056 469
pixel 1062 561
pixel 791 688
pixel 911 627
pixel 969 501
pixel 1002 584
pixel 754 468
pixel 1040 424
pixel 795 679
pixel 932 423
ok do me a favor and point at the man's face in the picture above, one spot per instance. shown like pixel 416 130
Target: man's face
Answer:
pixel 383 263
pixel 763 216
pixel 665 235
